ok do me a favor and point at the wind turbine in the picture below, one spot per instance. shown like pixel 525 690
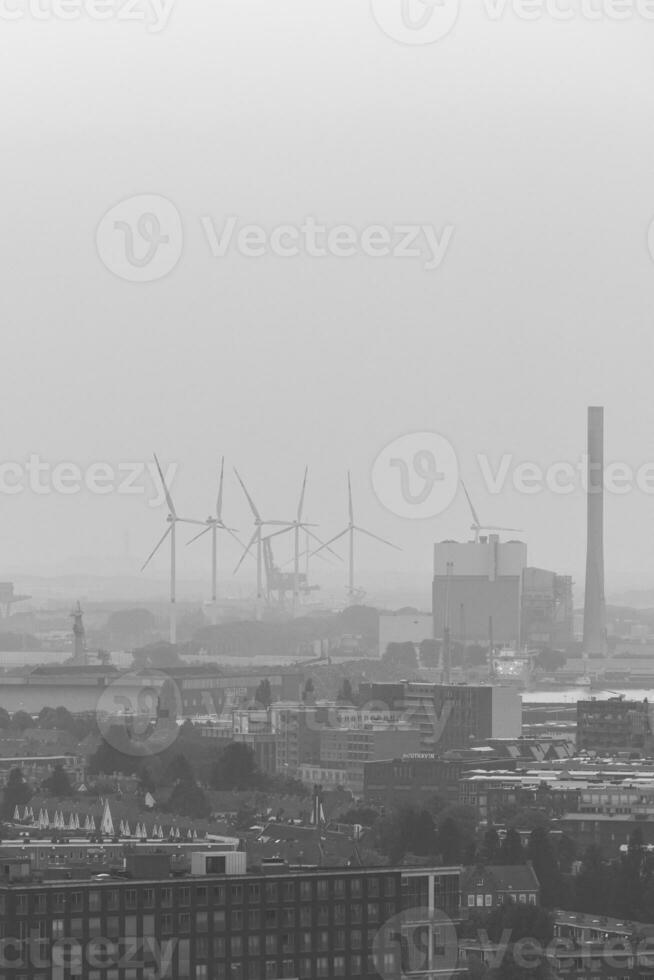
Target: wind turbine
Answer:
pixel 257 538
pixel 173 520
pixel 215 524
pixel 477 526
pixel 296 526
pixel 350 531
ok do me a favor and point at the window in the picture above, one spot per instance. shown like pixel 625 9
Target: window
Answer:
pixel 323 915
pixel 219 919
pixel 272 891
pixel 201 895
pixel 271 918
pixel 57 928
pixel 148 898
pixel 201 921
pixel 166 898
pixel 112 900
pixel 373 911
pixel 355 886
pixel 236 919
pixel 271 943
pixel 254 919
pixel 389 887
pixel 113 927
pixel 236 945
pixel 322 966
pixel 271 970
pixel 130 898
pixel 488 901
pixel 523 899
pixel 219 947
pixel 254 946
pixel 254 893
pixel 219 894
pixel 339 966
pixel 289 891
pixel 237 893
pixel 201 972
pixel 532 899
pixel 355 939
pixel 148 925
pixel 322 888
pixel 76 902
pixel 167 923
pixel 356 913
pixel 288 942
pixel 339 886
pixel 184 896
pixel 373 887
pixel 184 922
pixel 288 918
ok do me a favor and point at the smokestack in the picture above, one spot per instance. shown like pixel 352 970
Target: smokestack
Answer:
pixel 594 604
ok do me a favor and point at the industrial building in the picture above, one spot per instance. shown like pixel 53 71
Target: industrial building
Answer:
pixel 614 726
pixel 484 590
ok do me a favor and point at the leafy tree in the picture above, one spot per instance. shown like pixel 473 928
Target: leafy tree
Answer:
pixel 58 783
pixel 17 792
pixel 130 625
pixel 541 854
pixel 21 720
pixel 450 842
pixel 491 846
pixel 346 694
pixel 235 768
pixel 511 851
pixel 188 800
pixel 5 718
pixel 593 882
pixel 401 655
pixel 263 694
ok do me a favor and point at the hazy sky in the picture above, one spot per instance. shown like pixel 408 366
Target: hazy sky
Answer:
pixel 532 140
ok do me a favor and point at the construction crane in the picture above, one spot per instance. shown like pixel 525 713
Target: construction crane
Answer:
pixel 477 526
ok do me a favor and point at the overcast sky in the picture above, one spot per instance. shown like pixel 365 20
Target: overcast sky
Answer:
pixel 531 141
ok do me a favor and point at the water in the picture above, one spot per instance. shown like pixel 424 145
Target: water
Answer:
pixel 570 695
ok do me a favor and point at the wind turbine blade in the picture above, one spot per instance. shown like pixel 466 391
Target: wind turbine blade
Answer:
pixel 157 546
pixel 249 498
pixel 200 535
pixel 304 487
pixel 349 497
pixel 324 545
pixel 362 530
pixel 471 505
pixel 230 531
pixel 219 502
pixel 517 529
pixel 331 541
pixel 169 499
pixel 276 534
pixel 247 550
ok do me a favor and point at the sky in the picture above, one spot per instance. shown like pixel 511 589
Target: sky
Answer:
pixel 526 149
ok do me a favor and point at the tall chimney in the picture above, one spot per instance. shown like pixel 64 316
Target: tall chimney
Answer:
pixel 594 603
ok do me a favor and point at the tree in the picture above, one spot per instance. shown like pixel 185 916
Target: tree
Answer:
pixel 21 720
pixel 491 846
pixel 188 800
pixel 235 768
pixel 346 694
pixel 58 784
pixel 450 842
pixel 263 694
pixel 401 655
pixel 511 851
pixel 5 718
pixel 593 882
pixel 541 854
pixel 16 793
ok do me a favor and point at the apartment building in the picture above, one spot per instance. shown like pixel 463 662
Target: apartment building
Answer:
pixel 218 923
